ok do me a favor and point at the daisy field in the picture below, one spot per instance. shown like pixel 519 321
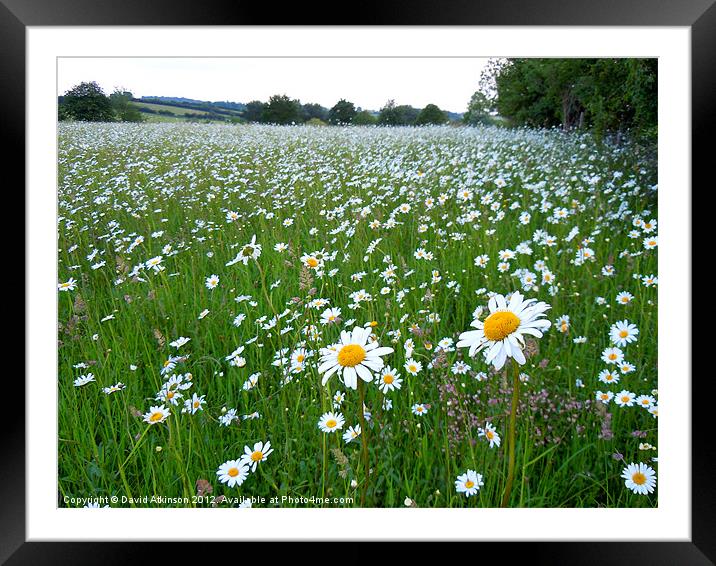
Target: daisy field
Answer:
pixel 428 316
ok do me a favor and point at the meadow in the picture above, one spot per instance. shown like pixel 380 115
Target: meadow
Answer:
pixel 278 313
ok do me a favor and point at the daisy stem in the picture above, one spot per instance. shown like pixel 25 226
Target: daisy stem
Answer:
pixel 513 419
pixel 146 430
pixel 325 468
pixel 270 303
pixel 364 441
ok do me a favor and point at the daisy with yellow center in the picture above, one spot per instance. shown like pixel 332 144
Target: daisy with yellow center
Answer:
pixel 351 434
pixel 298 357
pixel 331 422
pixel 330 316
pixel 621 333
pixel 251 250
pixel 419 409
pixel 490 434
pixel 469 483
pixel 501 334
pixel 640 478
pixel 260 452
pixel 156 415
pixel 389 380
pixel 67 285
pixel 413 367
pixel 353 357
pixel 233 472
pixel 604 396
pixel 625 398
pixel 612 356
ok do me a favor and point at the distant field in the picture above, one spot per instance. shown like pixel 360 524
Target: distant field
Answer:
pixel 178 110
pixel 162 118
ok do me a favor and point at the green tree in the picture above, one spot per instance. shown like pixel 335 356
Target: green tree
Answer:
pixel 407 114
pixel 124 110
pixel 254 111
pixel 364 118
pixel 88 103
pixel 313 110
pixel 342 112
pixel 431 114
pixel 392 115
pixel 478 110
pixel 605 95
pixel 280 109
pixel 389 115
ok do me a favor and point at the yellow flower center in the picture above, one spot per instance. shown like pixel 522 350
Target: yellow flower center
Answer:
pixel 612 356
pixel 623 334
pixel 625 399
pixel 500 324
pixel 489 434
pixel 312 262
pixel 300 358
pixel 469 484
pixel 639 478
pixel 351 355
pixel 331 423
pixel 388 379
pixel 233 472
pixel 257 456
pixel 156 417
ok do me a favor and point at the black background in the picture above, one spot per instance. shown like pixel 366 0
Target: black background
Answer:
pixel 699 15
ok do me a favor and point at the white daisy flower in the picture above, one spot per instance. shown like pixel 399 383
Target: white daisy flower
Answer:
pixel 259 454
pixel 233 472
pixel 621 333
pixel 156 415
pixel 331 422
pixel 502 332
pixel 640 478
pixel 469 483
pixel 351 434
pixel 389 380
pixel 352 357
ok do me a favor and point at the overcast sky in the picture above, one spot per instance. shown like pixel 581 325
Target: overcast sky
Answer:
pixel 368 83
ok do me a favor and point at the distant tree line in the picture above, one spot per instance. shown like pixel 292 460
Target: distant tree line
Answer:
pixel 280 109
pixel 606 96
pixel 87 102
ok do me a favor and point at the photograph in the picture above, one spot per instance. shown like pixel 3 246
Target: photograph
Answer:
pixel 424 277
pixel 357 282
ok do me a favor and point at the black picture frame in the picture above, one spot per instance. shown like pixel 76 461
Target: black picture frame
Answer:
pixel 698 15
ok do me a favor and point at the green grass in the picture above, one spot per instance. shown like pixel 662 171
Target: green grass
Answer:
pixel 178 110
pixel 173 185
